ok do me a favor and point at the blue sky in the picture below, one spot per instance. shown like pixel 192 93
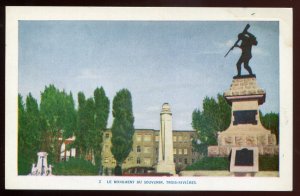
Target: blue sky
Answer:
pixel 179 62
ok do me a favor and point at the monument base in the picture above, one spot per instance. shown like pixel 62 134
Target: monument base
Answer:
pixel 245 135
pixel 163 167
pixel 245 129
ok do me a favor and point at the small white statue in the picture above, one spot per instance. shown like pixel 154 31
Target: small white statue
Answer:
pixel 41 168
pixel 33 169
pixel 50 170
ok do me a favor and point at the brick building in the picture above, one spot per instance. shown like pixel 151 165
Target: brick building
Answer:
pixel 145 149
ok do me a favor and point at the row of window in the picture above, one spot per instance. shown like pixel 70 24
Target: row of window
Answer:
pixel 175 150
pixel 178 138
pixel 180 151
pixel 148 138
pixel 146 149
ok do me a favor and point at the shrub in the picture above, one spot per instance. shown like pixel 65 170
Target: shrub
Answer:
pixel 74 166
pixel 269 163
pixel 24 165
pixel 266 163
pixel 210 163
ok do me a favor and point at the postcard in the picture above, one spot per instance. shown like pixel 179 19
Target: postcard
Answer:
pixel 132 98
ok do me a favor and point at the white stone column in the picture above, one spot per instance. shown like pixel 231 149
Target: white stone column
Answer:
pixel 166 160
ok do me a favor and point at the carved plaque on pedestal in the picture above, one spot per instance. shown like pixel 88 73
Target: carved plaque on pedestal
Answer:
pixel 244 157
pixel 245 117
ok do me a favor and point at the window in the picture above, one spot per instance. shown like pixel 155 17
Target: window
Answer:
pixel 106 136
pixel 179 151
pixel 174 138
pixel 138 149
pixel 185 161
pixel 138 160
pixel 180 138
pixel 185 138
pixel 180 160
pixel 185 151
pixel 139 138
pixel 73 152
pixel 174 150
pixel 147 138
pixel 147 161
pixel 156 150
pixel 174 160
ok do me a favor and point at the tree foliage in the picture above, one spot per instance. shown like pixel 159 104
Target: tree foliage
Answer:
pixel 44 128
pixel 80 141
pixel 59 117
pixel 92 121
pixel 122 128
pixel 271 121
pixel 214 117
pixel 29 139
pixel 102 113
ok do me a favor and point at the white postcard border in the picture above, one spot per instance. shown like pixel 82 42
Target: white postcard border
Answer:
pixel 283 15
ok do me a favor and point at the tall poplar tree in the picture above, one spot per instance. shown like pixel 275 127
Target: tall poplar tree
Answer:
pixel 89 115
pixel 23 162
pixel 29 137
pixel 92 121
pixel 102 113
pixel 80 133
pixel 122 128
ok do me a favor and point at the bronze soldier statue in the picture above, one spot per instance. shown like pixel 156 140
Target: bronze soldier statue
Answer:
pixel 248 40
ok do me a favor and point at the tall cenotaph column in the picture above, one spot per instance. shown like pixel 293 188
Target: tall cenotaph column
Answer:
pixel 165 158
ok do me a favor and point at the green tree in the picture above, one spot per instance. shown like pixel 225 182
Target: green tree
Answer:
pixel 89 115
pixel 23 162
pixel 70 118
pixel 59 119
pixel 80 141
pixel 271 121
pixel 29 138
pixel 214 117
pixel 85 136
pixel 33 125
pixel 102 113
pixel 122 128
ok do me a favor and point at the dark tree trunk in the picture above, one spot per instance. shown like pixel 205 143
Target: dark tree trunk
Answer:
pixel 118 170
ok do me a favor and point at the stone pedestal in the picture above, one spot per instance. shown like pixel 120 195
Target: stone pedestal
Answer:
pixel 165 156
pixel 41 168
pixel 245 129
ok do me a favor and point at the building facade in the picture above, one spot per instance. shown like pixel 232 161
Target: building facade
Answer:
pixel 65 152
pixel 145 149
